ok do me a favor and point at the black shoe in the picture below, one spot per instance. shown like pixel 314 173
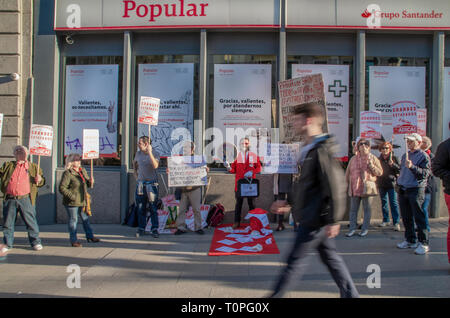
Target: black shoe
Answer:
pixel 200 232
pixel 179 232
pixel 155 234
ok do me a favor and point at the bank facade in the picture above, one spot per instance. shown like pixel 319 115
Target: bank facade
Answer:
pixel 129 37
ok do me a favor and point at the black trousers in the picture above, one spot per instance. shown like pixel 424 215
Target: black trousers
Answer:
pixel 238 207
pixel 308 239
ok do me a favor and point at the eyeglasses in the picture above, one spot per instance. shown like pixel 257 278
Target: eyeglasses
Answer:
pixel 385 148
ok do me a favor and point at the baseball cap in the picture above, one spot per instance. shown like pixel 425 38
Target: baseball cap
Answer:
pixel 414 136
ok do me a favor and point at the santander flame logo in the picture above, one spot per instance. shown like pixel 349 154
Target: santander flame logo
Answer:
pixel 366 14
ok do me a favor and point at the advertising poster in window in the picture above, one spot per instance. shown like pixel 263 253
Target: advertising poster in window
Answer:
pixel 242 96
pixel 446 121
pixel 91 103
pixel 336 80
pixel 389 85
pixel 173 84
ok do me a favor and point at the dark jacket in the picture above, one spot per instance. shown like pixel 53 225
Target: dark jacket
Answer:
pixel 390 173
pixel 318 196
pixel 73 188
pixel 430 181
pixel 7 170
pixel 440 165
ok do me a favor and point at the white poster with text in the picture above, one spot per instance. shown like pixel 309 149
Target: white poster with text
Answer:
pixel 91 103
pixel 242 96
pixel 173 84
pixel 389 85
pixel 336 80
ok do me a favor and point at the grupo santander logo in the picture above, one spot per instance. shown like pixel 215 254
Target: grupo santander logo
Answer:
pixel 373 20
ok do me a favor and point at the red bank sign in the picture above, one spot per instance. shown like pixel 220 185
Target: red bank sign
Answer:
pixel 144 14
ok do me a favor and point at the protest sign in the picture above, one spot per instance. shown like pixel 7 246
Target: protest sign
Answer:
pixel 91 144
pixel 41 140
pixel 149 110
pixel 422 121
pixel 296 91
pixel 370 124
pixel 187 171
pixel 404 116
pixel 281 159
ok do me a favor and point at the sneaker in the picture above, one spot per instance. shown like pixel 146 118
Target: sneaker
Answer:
pixel 155 233
pixel 406 244
pixel 364 233
pixel 384 224
pixel 351 233
pixel 179 232
pixel 421 249
pixel 38 247
pixel 139 233
pixel 397 227
pixel 200 232
pixel 5 249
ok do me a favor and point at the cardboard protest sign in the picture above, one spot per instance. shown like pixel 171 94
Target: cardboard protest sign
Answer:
pixel 282 159
pixel 187 171
pixel 91 145
pixel 297 91
pixel 404 116
pixel 149 110
pixel 370 124
pixel 41 140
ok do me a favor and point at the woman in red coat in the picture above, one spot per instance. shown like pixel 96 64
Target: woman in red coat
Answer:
pixel 246 165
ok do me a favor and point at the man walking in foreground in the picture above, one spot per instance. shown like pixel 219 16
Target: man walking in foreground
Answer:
pixel 318 199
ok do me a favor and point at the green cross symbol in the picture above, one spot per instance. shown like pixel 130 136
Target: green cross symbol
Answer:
pixel 337 90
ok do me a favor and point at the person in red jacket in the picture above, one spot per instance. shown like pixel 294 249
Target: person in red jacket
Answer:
pixel 246 165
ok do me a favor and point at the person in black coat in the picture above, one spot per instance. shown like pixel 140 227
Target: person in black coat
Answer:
pixel 386 183
pixel 318 201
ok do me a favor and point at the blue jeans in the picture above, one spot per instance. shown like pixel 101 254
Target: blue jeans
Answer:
pixel 28 213
pixel 141 204
pixel 385 194
pixel 308 239
pixel 411 202
pixel 425 207
pixel 73 212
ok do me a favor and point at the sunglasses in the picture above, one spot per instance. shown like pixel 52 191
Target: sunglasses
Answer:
pixel 385 148
pixel 364 144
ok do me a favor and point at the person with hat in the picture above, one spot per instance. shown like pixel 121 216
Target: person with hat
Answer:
pixel 364 167
pixel 414 170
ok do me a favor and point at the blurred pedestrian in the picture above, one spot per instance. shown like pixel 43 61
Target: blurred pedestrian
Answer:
pixel 441 169
pixel 429 189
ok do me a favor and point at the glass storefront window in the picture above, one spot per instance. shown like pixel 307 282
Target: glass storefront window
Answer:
pixel 163 75
pixel 82 109
pixel 233 99
pixel 337 124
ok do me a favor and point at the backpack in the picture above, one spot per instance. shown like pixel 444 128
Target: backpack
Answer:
pixel 131 217
pixel 215 215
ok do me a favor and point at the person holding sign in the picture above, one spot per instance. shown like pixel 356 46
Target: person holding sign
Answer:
pixel 145 164
pixel 318 201
pixel 246 165
pixel 76 200
pixel 414 170
pixel 190 195
pixel 20 180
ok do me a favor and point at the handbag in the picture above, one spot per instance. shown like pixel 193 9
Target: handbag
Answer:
pixel 369 187
pixel 248 188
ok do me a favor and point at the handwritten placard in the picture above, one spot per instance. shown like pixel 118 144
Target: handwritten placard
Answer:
pixel 41 140
pixel 91 146
pixel 281 159
pixel 187 171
